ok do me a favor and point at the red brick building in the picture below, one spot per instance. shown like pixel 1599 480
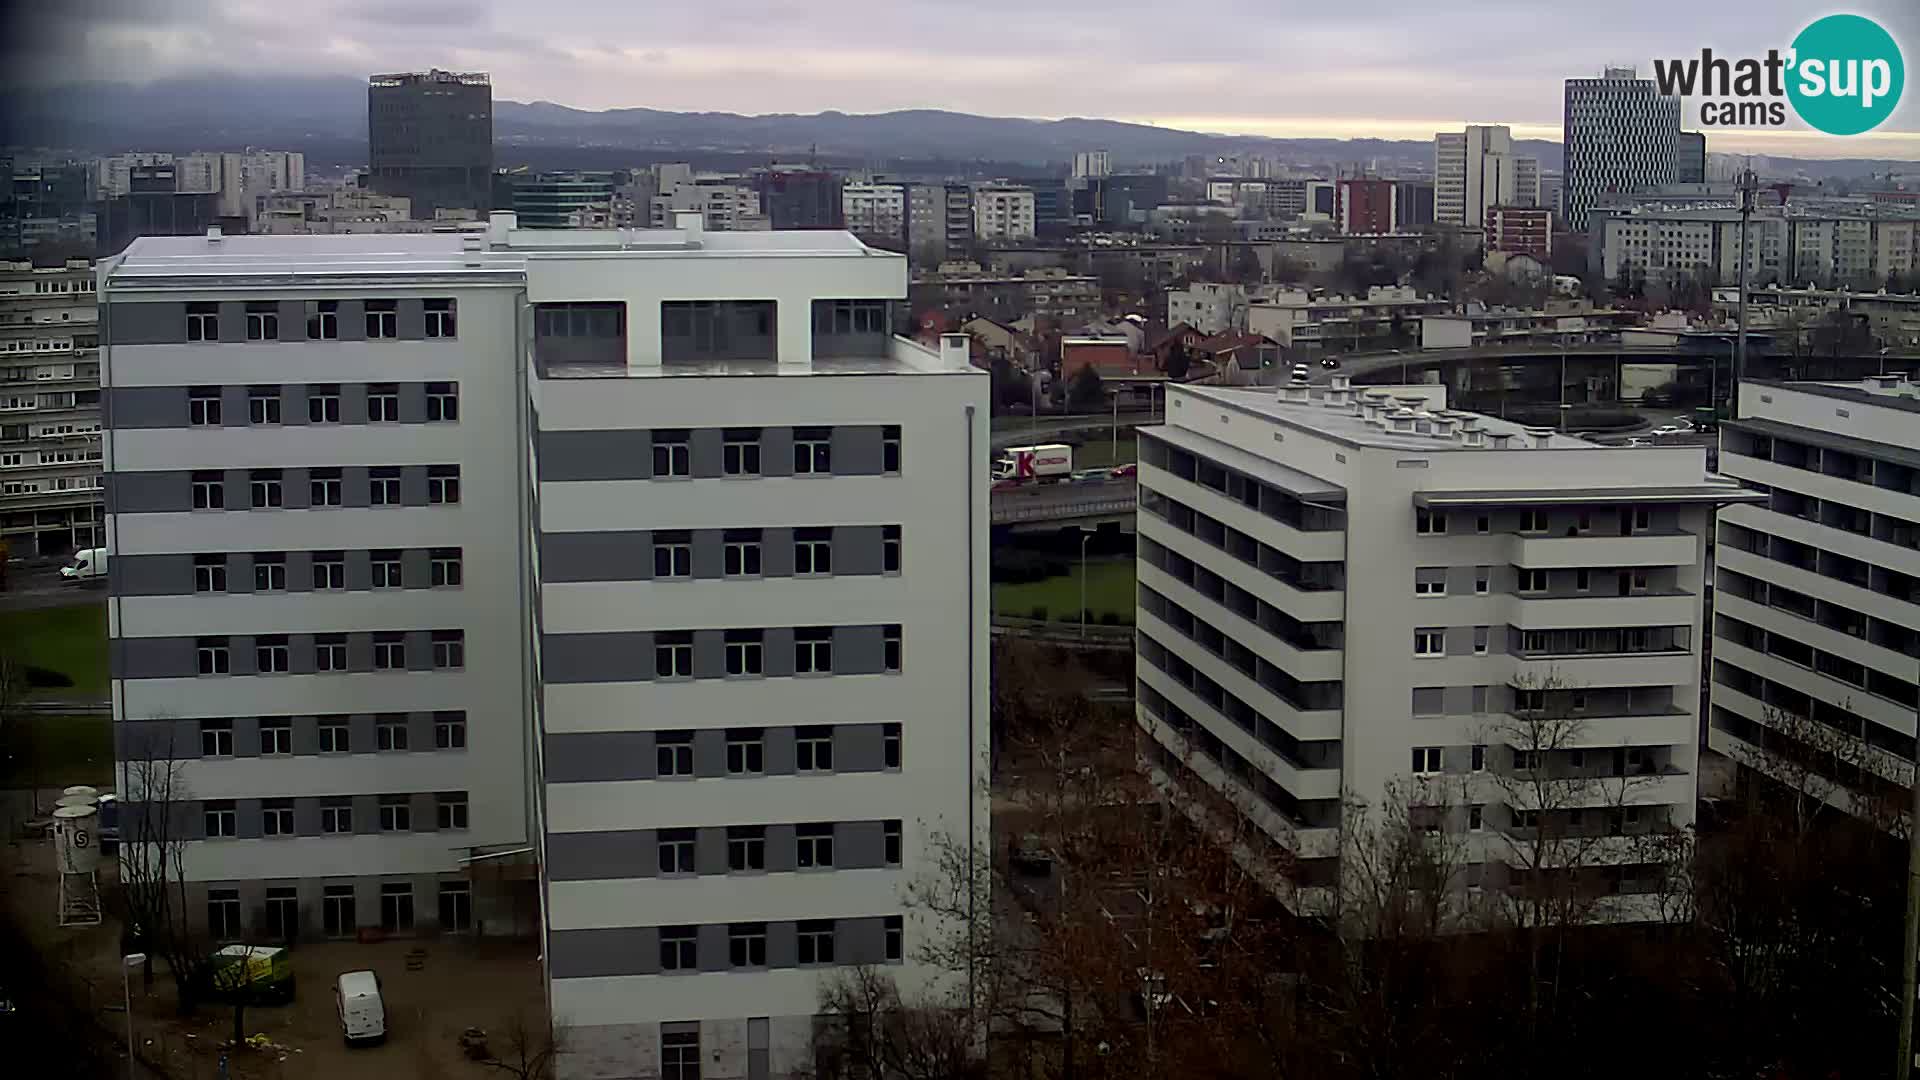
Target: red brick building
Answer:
pixel 1364 206
pixel 1520 230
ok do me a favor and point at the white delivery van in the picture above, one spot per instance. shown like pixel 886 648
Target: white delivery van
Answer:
pixel 89 564
pixel 363 1015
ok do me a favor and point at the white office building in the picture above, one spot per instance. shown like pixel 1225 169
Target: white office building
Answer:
pixel 876 211
pixel 1619 134
pixel 1816 604
pixel 1478 168
pixel 50 452
pixel 688 596
pixel 1002 213
pixel 1339 593
pixel 1088 164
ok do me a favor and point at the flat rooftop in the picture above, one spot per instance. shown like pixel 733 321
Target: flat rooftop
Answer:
pixel 161 259
pixel 1316 416
pixel 1891 392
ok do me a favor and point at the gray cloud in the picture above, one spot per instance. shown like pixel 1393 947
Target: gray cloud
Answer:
pixel 1392 67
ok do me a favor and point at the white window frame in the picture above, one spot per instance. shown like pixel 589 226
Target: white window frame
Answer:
pixel 390 655
pixel 673 757
pixel 1430 642
pixel 746 658
pixel 383 406
pixel 446 571
pixel 325 491
pixel 679 657
pixel 813 848
pixel 750 754
pixel 679 559
pixel 263 408
pixel 203 409
pixel 738 553
pixel 443 485
pixel 1429 523
pixel 221 741
pixel 1529 585
pixel 443 405
pixel 326 404
pixel 740 456
pixel 813 752
pixel 210 577
pixel 329 575
pixel 1534 522
pixel 677 456
pixel 813 457
pixel 810 554
pixel 276 821
pixel 1428 760
pixel 336 819
pixel 276 736
pixel 386 573
pixel 396 816
pixel 813 651
pixel 450 733
pixel 336 736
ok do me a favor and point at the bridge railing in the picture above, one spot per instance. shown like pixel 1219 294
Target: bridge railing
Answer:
pixel 1076 508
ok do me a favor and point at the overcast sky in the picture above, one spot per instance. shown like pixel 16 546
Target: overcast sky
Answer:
pixel 1389 68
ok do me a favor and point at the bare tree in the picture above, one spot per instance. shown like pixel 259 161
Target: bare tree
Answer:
pixel 524 1046
pixel 154 830
pixel 867 1032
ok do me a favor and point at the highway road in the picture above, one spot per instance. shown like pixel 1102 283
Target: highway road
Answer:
pixel 1022 431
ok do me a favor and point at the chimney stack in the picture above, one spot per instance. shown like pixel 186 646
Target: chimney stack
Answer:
pixel 956 350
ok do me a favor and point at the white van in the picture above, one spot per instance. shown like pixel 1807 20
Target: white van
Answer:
pixel 89 564
pixel 363 1015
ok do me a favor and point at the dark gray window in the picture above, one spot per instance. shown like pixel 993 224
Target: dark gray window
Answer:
pixel 890 745
pixel 263 404
pixel 812 450
pixel 440 319
pixel 890 448
pixel 283 908
pixel 323 403
pixel 276 735
pixel 747 945
pixel 672 453
pixel 680 1055
pixel 746 847
pixel 672 554
pixel 276 817
pixel 746 752
pixel 815 846
pixel 210 573
pixel 385 565
pixel 446 568
pixel 396 813
pixel 269 571
pixel 271 655
pixel 209 491
pixel 263 321
pixel 673 655
pixel 450 810
pixel 325 487
pixel 890 837
pixel 679 948
pixel 223 913
pixel 383 319
pixel 396 906
pixel 890 647
pixel 740 452
pixel 335 735
pixel 673 753
pixel 390 651
pixel 443 484
pixel 742 555
pixel 336 903
pixel 203 406
pixel 329 570
pixel 323 320
pixel 216 738
pixel 450 731
pixel 890 549
pixel 383 403
pixel 676 851
pixel 456 906
pixel 263 489
pixel 813 749
pixel 337 818
pixel 813 650
pixel 211 653
pixel 745 652
pixel 896 937
pixel 812 551
pixel 443 401
pixel 449 650
pixel 816 941
pixel 851 317
pixel 203 322
pixel 716 329
pixel 220 818
pixel 1429 523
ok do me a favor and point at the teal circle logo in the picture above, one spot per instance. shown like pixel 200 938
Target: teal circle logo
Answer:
pixel 1846 76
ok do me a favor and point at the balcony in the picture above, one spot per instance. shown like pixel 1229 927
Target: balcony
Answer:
pixel 1605 610
pixel 1573 552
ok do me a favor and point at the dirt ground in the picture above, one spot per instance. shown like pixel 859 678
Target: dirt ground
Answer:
pixel 458 984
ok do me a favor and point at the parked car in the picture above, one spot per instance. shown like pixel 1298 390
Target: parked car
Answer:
pixel 1129 469
pixel 1667 429
pixel 1329 363
pixel 363 1013
pixel 1301 373
pixel 89 564
pixel 1089 476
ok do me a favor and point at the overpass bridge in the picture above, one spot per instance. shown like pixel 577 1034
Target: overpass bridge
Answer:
pixel 1054 506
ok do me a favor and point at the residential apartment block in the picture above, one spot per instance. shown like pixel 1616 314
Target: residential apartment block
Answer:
pixel 1342 593
pixel 50 449
pixel 1816 648
pixel 876 211
pixel 1797 247
pixel 1003 213
pixel 687 596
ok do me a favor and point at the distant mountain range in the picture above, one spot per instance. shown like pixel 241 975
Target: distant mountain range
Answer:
pixel 327 118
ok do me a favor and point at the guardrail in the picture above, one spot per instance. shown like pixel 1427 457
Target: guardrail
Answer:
pixel 1098 635
pixel 1074 508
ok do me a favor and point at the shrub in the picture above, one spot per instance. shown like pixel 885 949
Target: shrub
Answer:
pixel 1110 619
pixel 44 678
pixel 1039 613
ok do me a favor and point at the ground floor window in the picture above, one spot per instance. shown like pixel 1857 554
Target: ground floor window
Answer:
pixel 679 1053
pixel 283 913
pixel 336 911
pixel 223 914
pixel 396 906
pixel 456 906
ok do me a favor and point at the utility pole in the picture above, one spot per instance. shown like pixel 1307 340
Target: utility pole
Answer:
pixel 1748 184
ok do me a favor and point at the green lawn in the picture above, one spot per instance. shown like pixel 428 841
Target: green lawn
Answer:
pixel 1100 452
pixel 45 751
pixel 71 640
pixel 1109 589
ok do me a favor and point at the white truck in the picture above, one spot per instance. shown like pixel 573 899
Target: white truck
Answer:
pixel 1044 464
pixel 89 564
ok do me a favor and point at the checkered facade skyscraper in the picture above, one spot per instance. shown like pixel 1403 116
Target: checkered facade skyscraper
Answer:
pixel 1620 134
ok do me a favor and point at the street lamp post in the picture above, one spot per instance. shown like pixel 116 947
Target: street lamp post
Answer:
pixel 127 964
pixel 1085 535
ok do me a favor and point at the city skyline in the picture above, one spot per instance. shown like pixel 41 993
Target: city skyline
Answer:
pixel 1340 78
